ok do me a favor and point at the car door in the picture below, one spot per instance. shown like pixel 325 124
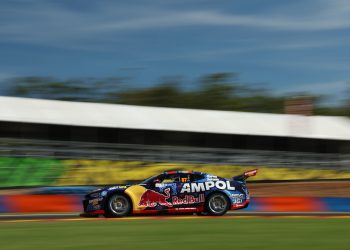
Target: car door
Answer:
pixel 171 187
pixel 164 190
pixel 187 197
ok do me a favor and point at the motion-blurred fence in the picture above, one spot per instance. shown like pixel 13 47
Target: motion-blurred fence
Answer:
pixel 156 153
pixel 27 163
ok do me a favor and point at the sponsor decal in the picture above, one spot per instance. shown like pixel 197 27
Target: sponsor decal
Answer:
pixel 163 186
pixel 116 187
pixel 212 178
pixel 250 173
pixel 185 208
pixel 95 201
pixel 151 198
pixel 204 186
pixel 237 200
pixel 188 199
pixel 238 195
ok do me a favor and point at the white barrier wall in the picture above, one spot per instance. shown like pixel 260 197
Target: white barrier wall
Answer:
pixel 13 109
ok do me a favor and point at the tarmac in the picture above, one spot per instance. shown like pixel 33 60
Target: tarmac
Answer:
pixel 45 217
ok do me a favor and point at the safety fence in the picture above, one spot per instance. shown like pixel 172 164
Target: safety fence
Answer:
pixel 26 172
pixel 64 150
pixel 72 203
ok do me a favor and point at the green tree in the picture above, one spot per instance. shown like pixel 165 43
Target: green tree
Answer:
pixel 217 91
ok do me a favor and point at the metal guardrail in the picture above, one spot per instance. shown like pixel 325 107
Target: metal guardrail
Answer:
pixel 85 150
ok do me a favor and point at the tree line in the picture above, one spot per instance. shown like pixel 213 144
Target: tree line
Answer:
pixel 217 91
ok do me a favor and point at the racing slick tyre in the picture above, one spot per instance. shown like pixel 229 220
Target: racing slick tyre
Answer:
pixel 117 205
pixel 217 204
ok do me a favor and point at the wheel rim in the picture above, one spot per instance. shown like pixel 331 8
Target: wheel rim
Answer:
pixel 218 204
pixel 119 204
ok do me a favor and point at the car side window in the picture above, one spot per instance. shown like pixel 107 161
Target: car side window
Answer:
pixel 177 178
pixel 197 177
pixel 171 178
pixel 185 177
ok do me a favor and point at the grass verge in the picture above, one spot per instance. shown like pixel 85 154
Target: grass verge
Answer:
pixel 180 234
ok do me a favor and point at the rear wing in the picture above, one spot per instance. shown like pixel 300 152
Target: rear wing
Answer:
pixel 245 175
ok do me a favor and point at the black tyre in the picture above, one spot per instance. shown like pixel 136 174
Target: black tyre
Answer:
pixel 217 204
pixel 118 205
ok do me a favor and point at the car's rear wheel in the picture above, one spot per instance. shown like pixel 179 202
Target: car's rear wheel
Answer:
pixel 217 204
pixel 118 205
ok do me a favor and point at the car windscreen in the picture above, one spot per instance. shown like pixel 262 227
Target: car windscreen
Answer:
pixel 148 180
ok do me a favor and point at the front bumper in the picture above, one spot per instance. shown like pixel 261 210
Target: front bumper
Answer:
pixel 93 206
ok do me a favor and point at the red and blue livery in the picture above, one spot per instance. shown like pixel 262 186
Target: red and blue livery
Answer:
pixel 172 192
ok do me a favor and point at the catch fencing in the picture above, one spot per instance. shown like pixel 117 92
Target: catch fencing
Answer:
pixel 156 153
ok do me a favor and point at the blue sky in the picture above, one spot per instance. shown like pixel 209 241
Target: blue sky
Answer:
pixel 286 46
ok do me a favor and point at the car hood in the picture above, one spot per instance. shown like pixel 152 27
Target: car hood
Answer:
pixel 115 187
pixel 107 189
pixel 111 188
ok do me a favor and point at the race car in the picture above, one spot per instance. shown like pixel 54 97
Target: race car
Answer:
pixel 171 192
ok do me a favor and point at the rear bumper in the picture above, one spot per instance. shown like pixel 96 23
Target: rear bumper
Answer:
pixel 240 206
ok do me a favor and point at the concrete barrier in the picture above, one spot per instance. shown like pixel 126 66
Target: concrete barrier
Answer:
pixel 41 203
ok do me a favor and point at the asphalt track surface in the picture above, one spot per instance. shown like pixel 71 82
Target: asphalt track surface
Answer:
pixel 37 217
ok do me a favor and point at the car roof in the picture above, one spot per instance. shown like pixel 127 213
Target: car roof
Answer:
pixel 181 172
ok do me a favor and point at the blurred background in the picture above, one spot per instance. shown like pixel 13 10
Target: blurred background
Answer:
pixel 100 93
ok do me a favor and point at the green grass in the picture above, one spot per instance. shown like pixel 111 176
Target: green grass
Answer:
pixel 213 234
pixel 29 171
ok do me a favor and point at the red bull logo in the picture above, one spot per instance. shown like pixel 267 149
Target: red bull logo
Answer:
pixel 188 199
pixel 151 198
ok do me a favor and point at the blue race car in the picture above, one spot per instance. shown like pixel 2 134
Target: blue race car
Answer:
pixel 171 192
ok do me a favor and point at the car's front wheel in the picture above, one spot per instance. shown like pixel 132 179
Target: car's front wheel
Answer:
pixel 118 205
pixel 217 204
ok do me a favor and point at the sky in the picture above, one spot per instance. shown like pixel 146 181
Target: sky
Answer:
pixel 285 46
